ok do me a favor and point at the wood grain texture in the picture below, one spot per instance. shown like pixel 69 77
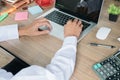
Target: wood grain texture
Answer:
pixel 5 57
pixel 40 49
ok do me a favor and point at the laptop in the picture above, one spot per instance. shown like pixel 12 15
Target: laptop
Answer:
pixel 88 11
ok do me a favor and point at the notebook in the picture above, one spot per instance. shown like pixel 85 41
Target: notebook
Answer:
pixel 88 11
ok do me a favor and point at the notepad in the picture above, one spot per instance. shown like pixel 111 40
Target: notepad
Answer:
pixel 21 16
pixel 35 10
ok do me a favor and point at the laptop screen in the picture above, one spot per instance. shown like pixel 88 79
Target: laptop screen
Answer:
pixel 85 9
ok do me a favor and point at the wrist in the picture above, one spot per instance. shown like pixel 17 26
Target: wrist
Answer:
pixel 70 36
pixel 21 31
pixel 71 40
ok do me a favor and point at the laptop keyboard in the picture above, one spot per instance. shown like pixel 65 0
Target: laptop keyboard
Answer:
pixel 61 18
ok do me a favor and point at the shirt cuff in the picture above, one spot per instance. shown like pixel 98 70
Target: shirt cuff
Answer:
pixel 9 32
pixel 13 32
pixel 71 40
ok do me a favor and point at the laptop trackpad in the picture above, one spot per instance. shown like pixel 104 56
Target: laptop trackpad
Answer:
pixel 57 30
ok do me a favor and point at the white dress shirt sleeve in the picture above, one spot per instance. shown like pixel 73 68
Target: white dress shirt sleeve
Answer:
pixel 9 32
pixel 63 63
pixel 60 68
pixel 4 75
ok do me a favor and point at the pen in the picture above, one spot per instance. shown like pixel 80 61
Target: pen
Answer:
pixel 103 45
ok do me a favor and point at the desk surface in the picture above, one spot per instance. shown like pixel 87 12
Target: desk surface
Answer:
pixel 5 57
pixel 40 49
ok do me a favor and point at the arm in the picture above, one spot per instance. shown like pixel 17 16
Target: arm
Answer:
pixel 63 63
pixel 13 32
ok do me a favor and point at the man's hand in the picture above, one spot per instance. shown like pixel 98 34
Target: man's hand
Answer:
pixel 32 29
pixel 73 28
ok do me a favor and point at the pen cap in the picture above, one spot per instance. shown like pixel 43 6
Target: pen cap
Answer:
pixel 3 16
pixel 93 44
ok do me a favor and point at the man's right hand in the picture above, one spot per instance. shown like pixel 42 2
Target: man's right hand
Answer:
pixel 73 28
pixel 32 29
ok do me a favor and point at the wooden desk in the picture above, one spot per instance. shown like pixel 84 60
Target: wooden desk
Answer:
pixel 5 57
pixel 40 49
